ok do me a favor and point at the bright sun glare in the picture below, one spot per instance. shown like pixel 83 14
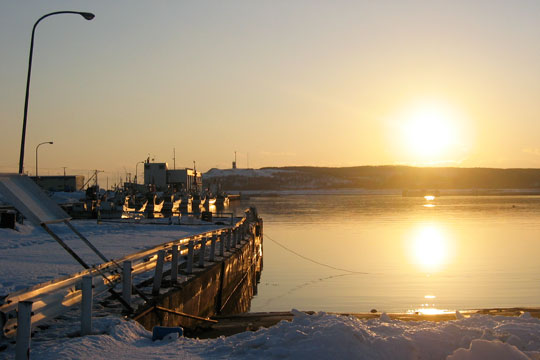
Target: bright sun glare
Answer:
pixel 431 132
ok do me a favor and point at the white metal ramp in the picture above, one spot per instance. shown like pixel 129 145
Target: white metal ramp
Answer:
pixel 29 199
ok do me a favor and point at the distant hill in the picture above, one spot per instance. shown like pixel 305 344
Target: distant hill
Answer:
pixel 373 177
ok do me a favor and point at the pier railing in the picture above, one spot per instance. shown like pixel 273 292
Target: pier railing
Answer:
pixel 52 298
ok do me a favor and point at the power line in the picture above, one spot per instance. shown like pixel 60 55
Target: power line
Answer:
pixel 311 260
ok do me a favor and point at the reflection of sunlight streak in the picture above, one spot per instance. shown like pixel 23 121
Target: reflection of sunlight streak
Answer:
pixel 429 247
pixel 428 311
pixel 427 308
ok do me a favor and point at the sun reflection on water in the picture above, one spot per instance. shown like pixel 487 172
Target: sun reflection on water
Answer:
pixel 428 308
pixel 427 311
pixel 429 247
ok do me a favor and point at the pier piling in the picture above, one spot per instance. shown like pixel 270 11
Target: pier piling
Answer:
pixel 222 237
pixel 86 305
pixel 24 321
pixel 228 240
pixel 174 264
pixel 190 256
pixel 126 281
pixel 159 272
pixel 202 251
pixel 213 248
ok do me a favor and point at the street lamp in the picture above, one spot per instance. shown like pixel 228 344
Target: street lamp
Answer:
pixel 37 147
pixel 136 178
pixel 87 16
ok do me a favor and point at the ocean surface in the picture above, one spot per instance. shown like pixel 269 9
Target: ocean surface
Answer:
pixel 358 252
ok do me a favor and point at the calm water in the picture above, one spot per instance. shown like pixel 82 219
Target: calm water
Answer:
pixel 404 254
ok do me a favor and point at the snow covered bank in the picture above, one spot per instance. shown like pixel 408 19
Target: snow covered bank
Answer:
pixel 318 336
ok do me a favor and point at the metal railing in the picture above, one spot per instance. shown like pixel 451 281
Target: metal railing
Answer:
pixel 52 298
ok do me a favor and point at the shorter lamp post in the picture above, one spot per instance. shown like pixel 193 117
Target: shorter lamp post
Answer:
pixel 37 147
pixel 136 178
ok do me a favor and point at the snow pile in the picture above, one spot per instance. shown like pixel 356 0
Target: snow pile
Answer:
pixel 318 336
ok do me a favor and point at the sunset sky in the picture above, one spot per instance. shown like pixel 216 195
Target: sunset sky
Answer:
pixel 323 83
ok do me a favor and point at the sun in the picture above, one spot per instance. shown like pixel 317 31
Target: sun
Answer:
pixel 430 132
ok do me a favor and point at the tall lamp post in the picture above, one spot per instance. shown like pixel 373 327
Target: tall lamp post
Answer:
pixel 136 165
pixel 87 16
pixel 37 147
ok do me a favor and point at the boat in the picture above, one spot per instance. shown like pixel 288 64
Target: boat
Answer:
pixel 185 202
pixel 209 201
pixel 222 200
pixel 171 203
pixel 197 201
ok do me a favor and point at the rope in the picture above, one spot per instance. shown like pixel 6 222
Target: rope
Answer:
pixel 311 260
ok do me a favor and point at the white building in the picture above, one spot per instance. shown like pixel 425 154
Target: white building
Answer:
pixel 162 177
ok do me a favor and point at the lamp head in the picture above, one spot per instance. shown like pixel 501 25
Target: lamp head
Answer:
pixel 87 15
pixel 50 142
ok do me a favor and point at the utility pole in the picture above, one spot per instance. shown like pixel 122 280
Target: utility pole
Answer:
pixel 64 177
pixel 195 177
pixel 96 172
pixel 174 158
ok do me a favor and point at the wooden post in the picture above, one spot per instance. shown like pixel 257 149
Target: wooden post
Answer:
pixel 158 275
pixel 228 240
pixel 222 237
pixel 213 248
pixel 202 250
pixel 174 264
pixel 236 237
pixel 190 256
pixel 24 326
pixel 86 305
pixel 239 235
pixel 126 282
pixel 242 233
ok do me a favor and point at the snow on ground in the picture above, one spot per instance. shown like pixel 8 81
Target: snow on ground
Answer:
pixel 29 256
pixel 318 336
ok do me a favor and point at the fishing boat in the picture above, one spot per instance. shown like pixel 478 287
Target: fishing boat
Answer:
pixel 222 200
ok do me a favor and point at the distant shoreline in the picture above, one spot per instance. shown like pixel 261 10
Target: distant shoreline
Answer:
pixel 396 192
pixel 470 181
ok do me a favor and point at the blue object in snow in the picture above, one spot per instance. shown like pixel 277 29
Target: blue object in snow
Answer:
pixel 159 332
